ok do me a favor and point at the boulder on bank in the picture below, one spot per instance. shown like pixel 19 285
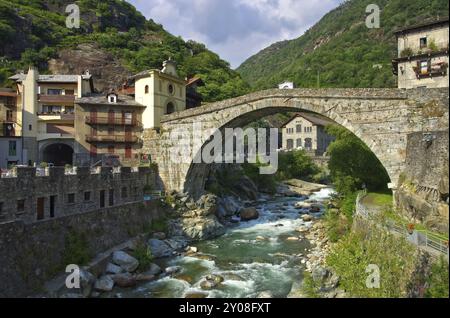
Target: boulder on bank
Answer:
pixel 249 214
pixel 160 249
pixel 87 281
pixel 113 269
pixel 307 218
pixel 125 280
pixel 127 262
pixel 104 284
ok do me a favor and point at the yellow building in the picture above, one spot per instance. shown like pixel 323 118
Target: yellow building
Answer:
pixel 47 118
pixel 161 91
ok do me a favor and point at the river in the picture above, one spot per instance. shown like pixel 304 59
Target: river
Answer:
pixel 253 257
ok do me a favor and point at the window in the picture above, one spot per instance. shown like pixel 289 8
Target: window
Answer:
pixel 290 131
pixel 1 207
pixel 112 99
pixel 299 143
pixel 51 109
pixel 69 92
pixel 128 152
pixel 30 127
pixel 71 198
pixel 299 128
pixel 423 43
pixel 124 193
pixel 12 148
pixel 290 144
pixel 87 196
pixel 52 91
pixel 111 197
pixel 171 89
pixel 20 205
pixel 111 131
pixel 147 89
pixel 111 149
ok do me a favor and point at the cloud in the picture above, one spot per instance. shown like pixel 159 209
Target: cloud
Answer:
pixel 236 29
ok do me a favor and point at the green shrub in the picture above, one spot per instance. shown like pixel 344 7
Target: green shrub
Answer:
pixel 394 256
pixel 309 287
pixel 144 255
pixel 159 225
pixel 438 281
pixel 76 250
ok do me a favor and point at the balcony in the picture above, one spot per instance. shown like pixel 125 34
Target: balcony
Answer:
pixel 63 116
pixel 66 99
pixel 112 121
pixel 118 139
pixel 433 70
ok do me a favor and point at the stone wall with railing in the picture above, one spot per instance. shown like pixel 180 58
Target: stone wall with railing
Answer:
pixel 36 194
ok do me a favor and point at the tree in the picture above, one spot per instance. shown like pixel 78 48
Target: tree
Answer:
pixel 352 164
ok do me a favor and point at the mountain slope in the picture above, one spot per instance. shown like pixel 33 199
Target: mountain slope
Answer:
pixel 114 40
pixel 340 51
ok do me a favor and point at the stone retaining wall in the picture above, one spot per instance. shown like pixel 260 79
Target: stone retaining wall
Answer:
pixel 31 254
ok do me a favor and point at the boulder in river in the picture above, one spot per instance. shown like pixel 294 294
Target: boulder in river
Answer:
pixel 153 270
pixel 265 295
pixel 211 281
pixel 249 214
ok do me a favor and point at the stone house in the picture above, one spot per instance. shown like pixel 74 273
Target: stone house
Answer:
pixel 306 132
pixel 108 129
pixel 423 55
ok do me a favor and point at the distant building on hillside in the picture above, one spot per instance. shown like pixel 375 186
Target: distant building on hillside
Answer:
pixel 306 132
pixel 286 85
pixel 423 58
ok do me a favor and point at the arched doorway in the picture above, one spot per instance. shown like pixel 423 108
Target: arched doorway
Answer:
pixel 58 154
pixel 170 108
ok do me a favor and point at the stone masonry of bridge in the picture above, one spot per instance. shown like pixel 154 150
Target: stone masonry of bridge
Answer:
pixel 382 118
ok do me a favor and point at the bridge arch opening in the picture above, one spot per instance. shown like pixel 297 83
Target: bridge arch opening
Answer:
pixel 198 173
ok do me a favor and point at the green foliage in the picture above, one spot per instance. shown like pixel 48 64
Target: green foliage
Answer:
pixel 352 164
pixel 339 221
pixel 406 52
pixel 438 281
pixel 353 254
pixel 296 165
pixel 309 287
pixel 340 50
pixel 116 27
pixel 264 182
pixel 159 225
pixel 144 255
pixel 76 250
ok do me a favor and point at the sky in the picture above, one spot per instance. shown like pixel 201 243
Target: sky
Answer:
pixel 236 29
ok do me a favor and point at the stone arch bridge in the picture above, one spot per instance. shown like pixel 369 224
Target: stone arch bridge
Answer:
pixel 381 118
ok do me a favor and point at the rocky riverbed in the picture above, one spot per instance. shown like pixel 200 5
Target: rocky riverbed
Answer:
pixel 226 247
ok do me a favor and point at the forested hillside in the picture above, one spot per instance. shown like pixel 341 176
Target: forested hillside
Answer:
pixel 340 51
pixel 112 31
